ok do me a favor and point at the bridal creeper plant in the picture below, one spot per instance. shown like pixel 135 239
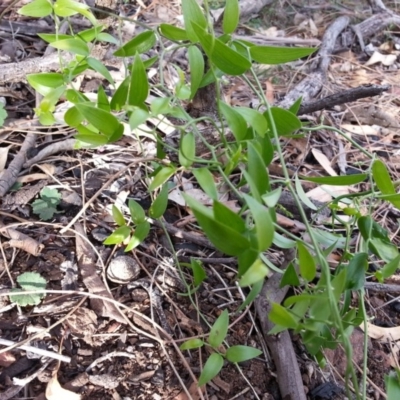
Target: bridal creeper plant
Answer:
pixel 322 314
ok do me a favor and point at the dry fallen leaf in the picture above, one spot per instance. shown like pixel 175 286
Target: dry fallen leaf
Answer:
pixel 382 334
pixel 54 391
pixel 385 59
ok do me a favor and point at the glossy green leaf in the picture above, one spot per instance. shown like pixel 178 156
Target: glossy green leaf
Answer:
pixel 67 8
pixel 199 274
pixel 278 55
pixel 191 344
pixel 162 176
pixel 338 285
pixel 294 108
pixel 219 330
pixel 355 277
pixel 237 354
pixel 136 210
pixel 159 205
pixel 187 149
pixel 99 67
pixel 392 384
pixel 290 277
pixel 282 317
pixel 212 366
pixel 225 215
pixel 254 118
pixel 236 122
pixel 226 59
pixel 231 16
pixel 36 9
pixel 224 238
pixel 139 85
pixel 172 32
pixel 192 13
pixel 337 180
pixel 257 171
pixel 93 139
pixel 42 82
pixel 138 117
pixel 88 35
pixel 283 242
pixel 286 122
pixel 271 199
pixel 384 182
pixel 160 105
pixel 196 65
pixel 263 225
pixel 302 195
pixel 75 46
pixel 206 181
pixel 246 259
pixel 254 292
pixel 388 269
pixel 118 216
pixel 52 37
pixel 139 44
pixel 100 119
pixel 118 236
pixel 102 100
pixel 307 265
pixel 106 37
pixel 140 233
pixel 256 273
pixel 120 96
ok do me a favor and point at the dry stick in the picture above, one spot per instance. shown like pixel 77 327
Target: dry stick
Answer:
pixel 346 96
pixel 281 347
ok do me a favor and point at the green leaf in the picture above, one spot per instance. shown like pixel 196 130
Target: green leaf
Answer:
pixel 212 366
pixel 196 65
pixel 121 94
pixel 236 122
pixel 254 118
pixel 225 215
pixel 231 16
pixel 172 32
pixel 303 197
pixel 285 121
pixel 100 119
pixel 89 35
pixel 264 227
pixel 278 55
pixel 392 384
pixel 271 199
pixel 355 277
pixel 191 344
pixel 223 237
pixel 140 233
pixel 139 86
pixel 118 216
pixel 44 82
pixel 337 180
pixel 99 67
pixel 388 269
pixel 3 114
pixel 140 44
pixel 282 317
pixel 187 149
pixel 206 181
pixel 94 139
pixel 307 265
pixel 162 176
pixel 290 277
pixel 254 292
pixel 257 171
pixel 192 13
pixel 384 182
pixel 52 37
pixel 29 281
pixel 67 8
pixel 118 236
pixel 219 330
pixel 75 46
pixel 157 209
pixel 338 284
pixel 136 210
pixel 237 354
pixel 138 117
pixel 36 9
pixel 226 59
pixel 294 108
pixel 45 207
pixel 102 100
pixel 160 105
pixel 255 274
pixel 199 274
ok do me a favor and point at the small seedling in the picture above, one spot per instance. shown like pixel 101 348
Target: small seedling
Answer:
pixel 3 114
pixel 46 206
pixel 29 281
